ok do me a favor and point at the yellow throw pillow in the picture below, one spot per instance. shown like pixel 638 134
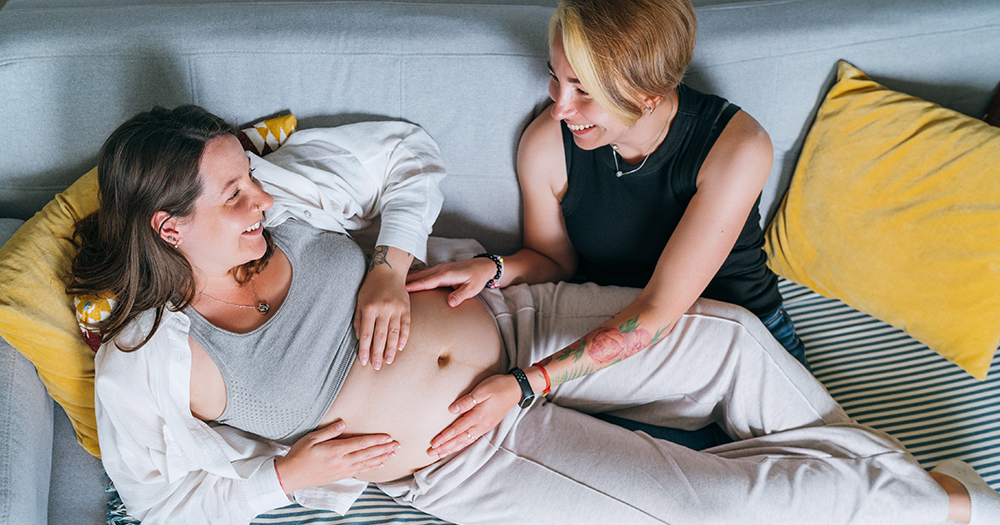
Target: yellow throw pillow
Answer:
pixel 36 315
pixel 894 208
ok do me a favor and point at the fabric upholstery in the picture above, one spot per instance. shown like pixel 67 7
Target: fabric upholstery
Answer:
pixel 25 433
pixel 36 315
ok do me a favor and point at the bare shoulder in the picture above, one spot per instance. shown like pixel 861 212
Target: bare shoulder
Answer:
pixel 541 161
pixel 743 151
pixel 208 388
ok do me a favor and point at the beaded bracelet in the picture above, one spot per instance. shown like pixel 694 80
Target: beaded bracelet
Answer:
pixel 495 281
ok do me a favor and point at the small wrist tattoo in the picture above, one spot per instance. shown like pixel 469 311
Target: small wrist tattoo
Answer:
pixel 379 257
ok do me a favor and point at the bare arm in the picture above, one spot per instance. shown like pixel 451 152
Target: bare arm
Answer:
pixel 548 254
pixel 728 185
pixel 382 314
pixel 729 182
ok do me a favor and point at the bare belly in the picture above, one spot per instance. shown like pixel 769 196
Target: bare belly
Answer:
pixel 449 351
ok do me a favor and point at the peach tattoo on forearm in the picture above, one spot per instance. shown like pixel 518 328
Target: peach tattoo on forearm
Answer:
pixel 604 347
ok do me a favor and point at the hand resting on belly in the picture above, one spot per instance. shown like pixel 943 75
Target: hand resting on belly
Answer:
pixel 450 350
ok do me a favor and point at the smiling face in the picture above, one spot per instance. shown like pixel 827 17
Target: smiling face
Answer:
pixel 591 125
pixel 224 230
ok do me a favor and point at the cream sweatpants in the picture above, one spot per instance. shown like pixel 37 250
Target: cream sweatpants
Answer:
pixel 797 458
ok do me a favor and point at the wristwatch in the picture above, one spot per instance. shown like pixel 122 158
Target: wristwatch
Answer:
pixel 527 394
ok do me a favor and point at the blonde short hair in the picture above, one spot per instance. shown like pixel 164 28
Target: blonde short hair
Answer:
pixel 626 50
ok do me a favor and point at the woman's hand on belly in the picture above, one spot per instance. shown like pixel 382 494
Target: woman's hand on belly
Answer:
pixel 320 457
pixel 482 410
pixel 449 352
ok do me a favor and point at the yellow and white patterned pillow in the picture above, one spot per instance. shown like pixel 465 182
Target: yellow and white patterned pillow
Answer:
pixel 91 310
pixel 267 135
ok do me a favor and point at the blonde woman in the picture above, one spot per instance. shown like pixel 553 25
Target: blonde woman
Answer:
pixel 631 178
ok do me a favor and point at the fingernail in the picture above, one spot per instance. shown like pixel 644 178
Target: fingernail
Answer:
pixel 433 455
pixel 388 360
pixel 363 360
pixel 386 440
pixel 380 465
pixel 395 446
pixel 339 425
pixel 390 455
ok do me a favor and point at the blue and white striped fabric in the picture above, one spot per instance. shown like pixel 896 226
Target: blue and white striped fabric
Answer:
pixel 372 508
pixel 887 380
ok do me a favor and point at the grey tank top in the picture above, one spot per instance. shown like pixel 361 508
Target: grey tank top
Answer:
pixel 282 378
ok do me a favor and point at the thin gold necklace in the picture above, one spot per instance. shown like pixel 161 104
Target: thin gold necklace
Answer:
pixel 614 147
pixel 261 307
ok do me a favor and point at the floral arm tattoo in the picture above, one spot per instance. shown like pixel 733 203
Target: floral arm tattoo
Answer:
pixel 601 348
pixel 379 257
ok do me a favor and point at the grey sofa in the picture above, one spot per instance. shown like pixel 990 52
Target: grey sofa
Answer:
pixel 471 73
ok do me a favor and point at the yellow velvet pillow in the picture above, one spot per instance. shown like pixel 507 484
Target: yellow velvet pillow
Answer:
pixel 38 318
pixel 894 208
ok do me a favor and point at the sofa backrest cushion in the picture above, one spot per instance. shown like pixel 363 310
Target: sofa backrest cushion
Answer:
pixel 471 73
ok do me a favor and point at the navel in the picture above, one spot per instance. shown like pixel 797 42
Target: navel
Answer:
pixel 444 359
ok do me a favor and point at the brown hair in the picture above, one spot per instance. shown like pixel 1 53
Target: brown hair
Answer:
pixel 149 164
pixel 626 50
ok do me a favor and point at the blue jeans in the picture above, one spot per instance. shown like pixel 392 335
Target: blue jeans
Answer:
pixel 781 327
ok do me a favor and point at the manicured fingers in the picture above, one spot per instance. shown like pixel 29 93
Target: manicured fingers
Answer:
pixel 425 280
pixel 457 441
pixel 404 330
pixel 463 292
pixel 373 456
pixel 458 427
pixel 378 342
pixel 328 432
pixel 365 327
pixel 464 404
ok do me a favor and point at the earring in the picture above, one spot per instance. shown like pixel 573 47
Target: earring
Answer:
pixel 649 109
pixel 174 241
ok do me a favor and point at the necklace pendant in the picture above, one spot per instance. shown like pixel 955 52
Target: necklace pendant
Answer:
pixel 619 174
pixel 263 307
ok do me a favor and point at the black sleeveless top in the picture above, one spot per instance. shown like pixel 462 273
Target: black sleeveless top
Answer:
pixel 619 226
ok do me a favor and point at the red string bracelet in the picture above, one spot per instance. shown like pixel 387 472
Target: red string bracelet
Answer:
pixel 548 382
pixel 280 484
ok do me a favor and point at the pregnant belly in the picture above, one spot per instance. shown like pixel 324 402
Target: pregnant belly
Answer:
pixel 449 351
